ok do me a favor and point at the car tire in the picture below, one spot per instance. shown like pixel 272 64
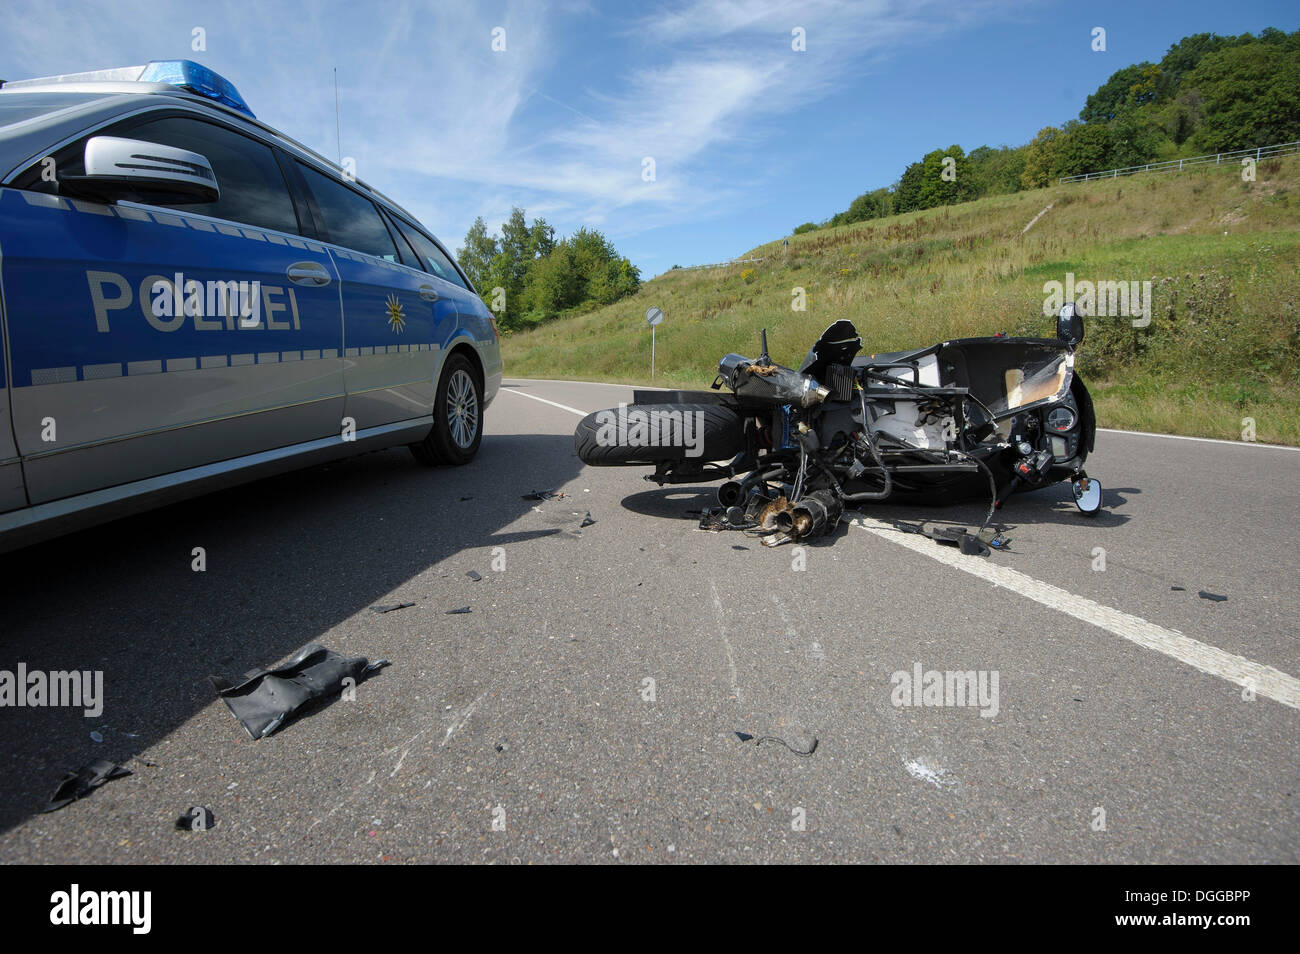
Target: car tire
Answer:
pixel 457 416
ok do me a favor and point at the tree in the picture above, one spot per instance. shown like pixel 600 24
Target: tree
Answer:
pixel 480 248
pixel 1184 56
pixel 1251 96
pixel 1040 158
pixel 1135 138
pixel 869 205
pixel 554 284
pixel 543 277
pixel 1105 104
pixel 996 171
pixel 1083 147
pixel 945 178
pixel 907 192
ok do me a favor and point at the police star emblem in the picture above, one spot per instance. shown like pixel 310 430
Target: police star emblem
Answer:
pixel 396 316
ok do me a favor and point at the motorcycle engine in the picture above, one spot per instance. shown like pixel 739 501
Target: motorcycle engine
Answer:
pixel 905 425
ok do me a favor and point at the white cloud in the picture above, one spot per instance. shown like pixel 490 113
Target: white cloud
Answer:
pixel 451 129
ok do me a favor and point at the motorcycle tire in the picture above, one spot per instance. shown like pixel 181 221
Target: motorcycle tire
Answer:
pixel 718 434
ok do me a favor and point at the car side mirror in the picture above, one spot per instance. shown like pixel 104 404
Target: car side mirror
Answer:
pixel 1069 324
pixel 146 172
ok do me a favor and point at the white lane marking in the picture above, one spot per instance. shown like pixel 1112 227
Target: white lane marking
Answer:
pixel 1265 680
pixel 534 397
pixel 506 383
pixel 1203 440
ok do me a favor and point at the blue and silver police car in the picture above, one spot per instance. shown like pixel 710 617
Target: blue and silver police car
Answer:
pixel 189 299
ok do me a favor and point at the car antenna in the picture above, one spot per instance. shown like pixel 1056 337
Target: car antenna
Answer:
pixel 338 135
pixel 763 358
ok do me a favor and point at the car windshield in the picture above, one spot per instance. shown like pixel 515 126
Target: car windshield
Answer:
pixel 20 107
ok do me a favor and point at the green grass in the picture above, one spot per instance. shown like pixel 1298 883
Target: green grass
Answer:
pixel 1223 344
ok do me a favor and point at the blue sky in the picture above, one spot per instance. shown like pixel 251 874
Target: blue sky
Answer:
pixel 749 137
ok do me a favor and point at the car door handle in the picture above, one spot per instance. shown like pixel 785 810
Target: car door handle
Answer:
pixel 428 293
pixel 308 273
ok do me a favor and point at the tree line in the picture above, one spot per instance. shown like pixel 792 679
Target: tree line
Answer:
pixel 1209 93
pixel 526 276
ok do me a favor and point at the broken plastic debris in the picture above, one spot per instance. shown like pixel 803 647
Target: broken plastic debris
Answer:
pixel 457 612
pixel 587 521
pixel 198 818
pixel 263 699
pixel 391 608
pixel 1179 589
pixel 716 519
pixel 83 781
pixel 544 495
pixel 994 538
pixel 96 737
pixel 474 576
pixel 745 737
pixel 713 520
pixel 971 544
pixel 1215 597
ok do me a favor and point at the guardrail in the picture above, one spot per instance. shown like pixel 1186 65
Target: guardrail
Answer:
pixel 734 261
pixel 1178 165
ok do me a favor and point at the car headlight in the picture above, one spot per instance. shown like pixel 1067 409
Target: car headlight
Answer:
pixel 1060 419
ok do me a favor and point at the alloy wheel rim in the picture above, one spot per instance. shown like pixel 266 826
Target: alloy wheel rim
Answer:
pixel 462 409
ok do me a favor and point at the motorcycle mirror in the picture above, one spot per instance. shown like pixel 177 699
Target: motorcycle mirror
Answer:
pixel 1087 495
pixel 1069 324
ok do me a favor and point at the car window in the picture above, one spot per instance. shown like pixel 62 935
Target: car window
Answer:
pixel 252 186
pixel 432 259
pixel 405 253
pixel 351 220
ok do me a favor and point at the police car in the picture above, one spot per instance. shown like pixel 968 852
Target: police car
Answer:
pixel 189 299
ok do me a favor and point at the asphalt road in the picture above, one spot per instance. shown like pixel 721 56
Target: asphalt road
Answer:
pixel 524 731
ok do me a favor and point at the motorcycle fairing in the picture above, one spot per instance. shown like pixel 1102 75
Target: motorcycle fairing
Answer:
pixel 1008 375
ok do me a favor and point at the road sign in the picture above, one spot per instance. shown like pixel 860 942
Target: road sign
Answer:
pixel 652 318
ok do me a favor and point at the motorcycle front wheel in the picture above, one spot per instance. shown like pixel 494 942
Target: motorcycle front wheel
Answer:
pixel 642 434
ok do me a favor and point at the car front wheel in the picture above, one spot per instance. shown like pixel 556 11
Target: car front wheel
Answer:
pixel 457 417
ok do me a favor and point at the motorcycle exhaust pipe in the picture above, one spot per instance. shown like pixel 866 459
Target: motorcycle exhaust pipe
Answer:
pixel 731 493
pixel 815 514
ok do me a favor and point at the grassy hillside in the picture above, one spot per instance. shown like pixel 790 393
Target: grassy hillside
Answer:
pixel 1223 257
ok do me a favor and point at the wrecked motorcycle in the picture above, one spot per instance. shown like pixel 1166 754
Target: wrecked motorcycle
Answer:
pixel 992 416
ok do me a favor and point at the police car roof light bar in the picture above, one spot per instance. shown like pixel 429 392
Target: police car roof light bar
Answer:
pixel 198 79
pixel 182 74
